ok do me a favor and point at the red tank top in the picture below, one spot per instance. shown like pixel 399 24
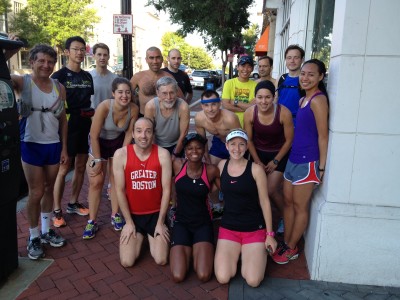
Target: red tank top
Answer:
pixel 143 182
pixel 268 138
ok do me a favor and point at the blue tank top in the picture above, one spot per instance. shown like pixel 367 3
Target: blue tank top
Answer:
pixel 242 210
pixel 289 95
pixel 305 147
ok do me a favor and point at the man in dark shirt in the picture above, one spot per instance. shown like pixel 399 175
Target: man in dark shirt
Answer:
pixel 174 61
pixel 79 87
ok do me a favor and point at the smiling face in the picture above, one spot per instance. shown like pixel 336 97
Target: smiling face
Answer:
pixel 154 59
pixel 167 95
pixel 236 147
pixel 143 133
pixel 122 94
pixel 310 76
pixel 174 59
pixel 212 109
pixel 264 100
pixel 293 60
pixel 244 71
pixel 194 151
pixel 76 52
pixel 43 65
pixel 264 67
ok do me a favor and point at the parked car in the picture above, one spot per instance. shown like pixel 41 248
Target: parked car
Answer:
pixel 254 73
pixel 220 74
pixel 198 76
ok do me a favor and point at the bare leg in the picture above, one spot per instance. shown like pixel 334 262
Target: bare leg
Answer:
pixel 180 262
pixel 301 198
pixel 95 187
pixel 79 174
pixel 226 259
pixel 60 184
pixel 254 262
pixel 130 252
pixel 275 189
pixel 203 258
pixel 288 212
pixel 159 249
pixel 50 173
pixel 113 194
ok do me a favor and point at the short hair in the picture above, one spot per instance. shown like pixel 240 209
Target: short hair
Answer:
pixel 295 47
pixel 101 46
pixel 153 48
pixel 271 61
pixel 169 52
pixel 120 80
pixel 69 41
pixel 208 94
pixel 145 119
pixel 42 48
pixel 164 81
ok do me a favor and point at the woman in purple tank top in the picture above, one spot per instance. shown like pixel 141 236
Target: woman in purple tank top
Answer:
pixel 307 160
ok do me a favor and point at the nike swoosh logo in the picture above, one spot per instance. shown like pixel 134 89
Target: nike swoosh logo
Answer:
pixel 233 181
pixel 201 183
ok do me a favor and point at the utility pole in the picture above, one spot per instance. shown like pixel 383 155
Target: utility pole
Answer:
pixel 127 70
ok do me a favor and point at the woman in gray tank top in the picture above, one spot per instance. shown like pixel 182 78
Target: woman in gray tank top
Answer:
pixel 111 129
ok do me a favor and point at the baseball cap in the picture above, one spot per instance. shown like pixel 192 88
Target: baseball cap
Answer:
pixel 237 133
pixel 246 60
pixel 193 136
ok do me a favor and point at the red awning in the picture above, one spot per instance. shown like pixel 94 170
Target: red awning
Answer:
pixel 262 44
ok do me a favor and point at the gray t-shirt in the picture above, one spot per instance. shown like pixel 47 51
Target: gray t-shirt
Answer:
pixel 102 87
pixel 167 130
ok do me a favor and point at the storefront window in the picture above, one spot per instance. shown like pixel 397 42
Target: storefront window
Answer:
pixel 322 32
pixel 24 59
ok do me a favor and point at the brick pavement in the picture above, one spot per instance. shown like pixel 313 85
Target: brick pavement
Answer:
pixel 87 269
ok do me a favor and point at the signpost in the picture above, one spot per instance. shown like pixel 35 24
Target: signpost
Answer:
pixel 123 24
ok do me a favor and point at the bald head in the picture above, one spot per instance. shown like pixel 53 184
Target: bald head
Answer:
pixel 174 60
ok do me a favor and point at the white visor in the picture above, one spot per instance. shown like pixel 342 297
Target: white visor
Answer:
pixel 237 133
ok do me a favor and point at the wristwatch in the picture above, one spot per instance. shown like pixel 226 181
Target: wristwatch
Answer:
pixel 275 161
pixel 94 161
pixel 235 102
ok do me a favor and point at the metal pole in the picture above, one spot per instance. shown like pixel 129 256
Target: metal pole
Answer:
pixel 127 70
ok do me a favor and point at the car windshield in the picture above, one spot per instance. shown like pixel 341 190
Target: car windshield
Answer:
pixel 200 73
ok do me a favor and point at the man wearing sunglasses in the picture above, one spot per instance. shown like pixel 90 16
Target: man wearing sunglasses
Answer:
pixel 238 92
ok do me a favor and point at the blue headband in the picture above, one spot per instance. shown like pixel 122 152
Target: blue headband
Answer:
pixel 210 100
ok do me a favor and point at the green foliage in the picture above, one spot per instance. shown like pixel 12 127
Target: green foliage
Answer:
pixel 250 38
pixel 219 22
pixel 53 21
pixel 5 6
pixel 194 57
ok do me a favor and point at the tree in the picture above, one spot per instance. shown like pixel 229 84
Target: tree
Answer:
pixel 219 22
pixel 5 6
pixel 53 21
pixel 199 59
pixel 250 37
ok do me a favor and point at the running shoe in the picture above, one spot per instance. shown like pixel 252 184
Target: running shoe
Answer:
pixel 77 208
pixel 35 249
pixel 52 238
pixel 118 222
pixel 284 254
pixel 58 219
pixel 90 230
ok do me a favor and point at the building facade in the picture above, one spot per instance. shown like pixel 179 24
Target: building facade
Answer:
pixel 353 234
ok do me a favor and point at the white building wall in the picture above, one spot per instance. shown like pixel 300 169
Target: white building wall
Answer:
pixel 353 235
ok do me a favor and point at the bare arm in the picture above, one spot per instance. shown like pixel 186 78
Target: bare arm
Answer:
pixel 261 180
pixel 119 164
pixel 320 108
pixel 184 118
pixel 202 131
pixel 63 130
pixel 166 166
pixel 248 126
pixel 134 116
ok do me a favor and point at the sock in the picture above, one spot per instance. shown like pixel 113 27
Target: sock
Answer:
pixel 57 210
pixel 34 233
pixel 45 218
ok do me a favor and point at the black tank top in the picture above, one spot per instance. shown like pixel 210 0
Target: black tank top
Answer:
pixel 242 210
pixel 192 198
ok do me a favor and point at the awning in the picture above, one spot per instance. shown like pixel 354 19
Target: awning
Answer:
pixel 262 44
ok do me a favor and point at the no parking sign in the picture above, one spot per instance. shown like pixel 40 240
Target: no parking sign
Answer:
pixel 123 24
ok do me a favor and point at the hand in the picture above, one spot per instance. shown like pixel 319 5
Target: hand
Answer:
pixel 162 231
pixel 127 231
pixel 270 167
pixel 64 159
pixel 270 244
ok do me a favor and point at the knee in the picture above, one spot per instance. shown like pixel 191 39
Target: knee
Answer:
pixel 203 276
pixel 178 276
pixel 127 263
pixel 96 183
pixel 222 278
pixel 161 261
pixel 253 282
pixel 36 194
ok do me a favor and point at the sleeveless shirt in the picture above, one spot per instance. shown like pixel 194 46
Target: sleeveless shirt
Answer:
pixel 242 210
pixel 268 138
pixel 110 130
pixel 167 129
pixel 305 147
pixel 192 197
pixel 143 182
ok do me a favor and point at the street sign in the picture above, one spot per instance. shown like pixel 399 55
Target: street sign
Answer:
pixel 123 24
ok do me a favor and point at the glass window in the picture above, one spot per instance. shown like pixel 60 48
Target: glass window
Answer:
pixel 287 5
pixel 322 30
pixel 24 59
